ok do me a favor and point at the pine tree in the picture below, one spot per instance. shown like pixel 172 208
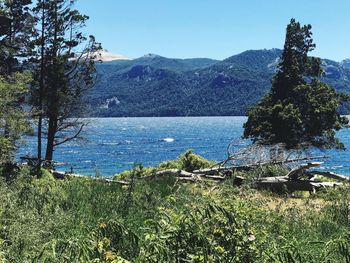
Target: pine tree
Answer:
pixel 300 110
pixel 15 33
pixel 62 75
pixel 14 121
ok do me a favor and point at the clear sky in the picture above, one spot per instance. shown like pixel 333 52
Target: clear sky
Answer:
pixel 214 28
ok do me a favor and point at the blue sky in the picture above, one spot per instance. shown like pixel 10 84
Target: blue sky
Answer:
pixel 214 28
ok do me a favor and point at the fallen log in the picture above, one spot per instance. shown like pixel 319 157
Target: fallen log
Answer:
pixel 295 173
pixel 181 174
pixel 292 181
pixel 212 171
pixel 188 179
pixel 171 172
pixel 214 177
pixel 247 167
pixel 294 185
pixel 220 164
pixel 63 175
pixel 331 175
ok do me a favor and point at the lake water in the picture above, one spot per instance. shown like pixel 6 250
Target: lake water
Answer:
pixel 112 145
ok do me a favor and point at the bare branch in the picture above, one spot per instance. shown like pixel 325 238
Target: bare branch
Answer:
pixel 71 137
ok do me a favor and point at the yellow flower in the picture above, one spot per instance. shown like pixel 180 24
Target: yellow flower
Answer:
pixel 109 255
pixel 106 241
pixel 102 225
pixel 220 249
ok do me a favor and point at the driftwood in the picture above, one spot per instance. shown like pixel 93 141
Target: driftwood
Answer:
pixel 171 172
pixel 298 171
pixel 63 175
pixel 297 179
pixel 331 175
pixel 280 184
pixel 247 167
pixel 293 182
pixel 185 176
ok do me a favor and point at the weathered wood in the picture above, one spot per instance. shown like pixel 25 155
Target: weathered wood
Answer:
pixel 276 162
pixel 295 185
pixel 214 177
pixel 212 171
pixel 219 169
pixel 183 174
pixel 62 175
pixel 171 172
pixel 274 179
pixel 291 181
pixel 331 175
pixel 298 171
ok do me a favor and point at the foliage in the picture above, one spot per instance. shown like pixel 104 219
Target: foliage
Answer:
pixel 14 121
pixel 190 162
pixel 62 71
pixel 83 220
pixel 299 109
pixel 15 32
pixel 187 162
pixel 221 88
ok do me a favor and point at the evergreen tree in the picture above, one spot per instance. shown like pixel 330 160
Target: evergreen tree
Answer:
pixel 14 121
pixel 300 110
pixel 15 32
pixel 62 75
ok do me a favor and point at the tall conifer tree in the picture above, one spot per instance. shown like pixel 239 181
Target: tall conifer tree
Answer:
pixel 16 28
pixel 300 110
pixel 65 70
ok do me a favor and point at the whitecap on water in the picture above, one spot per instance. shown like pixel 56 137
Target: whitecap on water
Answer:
pixel 168 139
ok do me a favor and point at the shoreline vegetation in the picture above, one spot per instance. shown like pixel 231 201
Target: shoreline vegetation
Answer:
pixel 270 205
pixel 83 219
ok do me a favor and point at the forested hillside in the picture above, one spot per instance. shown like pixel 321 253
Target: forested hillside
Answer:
pixel 157 86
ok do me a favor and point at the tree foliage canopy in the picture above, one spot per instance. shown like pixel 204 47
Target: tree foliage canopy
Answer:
pixel 15 32
pixel 64 69
pixel 13 120
pixel 299 109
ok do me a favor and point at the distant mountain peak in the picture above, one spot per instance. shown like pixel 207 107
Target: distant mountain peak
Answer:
pixel 195 87
pixel 106 56
pixel 151 55
pixel 346 63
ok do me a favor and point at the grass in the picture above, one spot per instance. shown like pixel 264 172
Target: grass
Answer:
pixel 83 220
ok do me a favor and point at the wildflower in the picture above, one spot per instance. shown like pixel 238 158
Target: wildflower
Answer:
pixel 102 225
pixel 109 255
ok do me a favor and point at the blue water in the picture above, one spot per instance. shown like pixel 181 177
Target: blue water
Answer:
pixel 112 145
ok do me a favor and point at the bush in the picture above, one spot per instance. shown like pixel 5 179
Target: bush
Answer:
pixel 86 220
pixel 187 161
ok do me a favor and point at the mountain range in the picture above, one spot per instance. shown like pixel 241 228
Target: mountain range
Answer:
pixel 153 85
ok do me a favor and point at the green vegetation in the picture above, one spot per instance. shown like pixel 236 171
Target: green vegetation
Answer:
pixel 299 109
pixel 14 121
pixel 15 27
pixel 61 76
pixel 187 162
pixel 180 88
pixel 155 219
pixel 85 220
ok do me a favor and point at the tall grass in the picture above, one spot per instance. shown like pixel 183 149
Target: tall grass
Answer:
pixel 83 220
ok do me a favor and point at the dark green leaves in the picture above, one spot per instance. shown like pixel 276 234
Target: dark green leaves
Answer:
pixel 299 109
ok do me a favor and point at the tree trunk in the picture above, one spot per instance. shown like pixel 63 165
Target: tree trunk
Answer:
pixel 51 133
pixel 53 96
pixel 41 87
